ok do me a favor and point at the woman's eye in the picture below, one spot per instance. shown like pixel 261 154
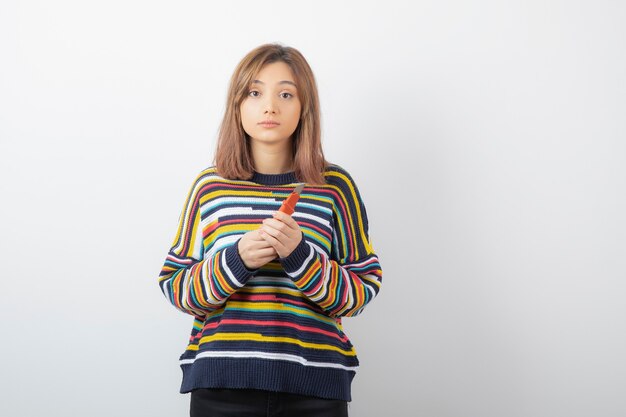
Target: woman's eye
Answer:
pixel 286 94
pixel 253 93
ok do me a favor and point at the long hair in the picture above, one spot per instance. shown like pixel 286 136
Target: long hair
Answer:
pixel 233 157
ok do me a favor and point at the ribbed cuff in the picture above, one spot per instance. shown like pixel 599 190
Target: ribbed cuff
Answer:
pixel 236 265
pixel 295 259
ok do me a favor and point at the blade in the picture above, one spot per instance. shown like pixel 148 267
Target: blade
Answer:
pixel 299 188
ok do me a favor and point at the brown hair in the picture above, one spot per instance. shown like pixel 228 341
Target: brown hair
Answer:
pixel 233 157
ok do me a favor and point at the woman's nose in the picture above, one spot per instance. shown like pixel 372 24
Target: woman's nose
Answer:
pixel 270 106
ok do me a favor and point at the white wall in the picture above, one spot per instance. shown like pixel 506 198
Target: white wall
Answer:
pixel 487 138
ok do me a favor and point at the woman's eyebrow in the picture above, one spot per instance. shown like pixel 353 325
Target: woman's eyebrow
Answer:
pixel 280 82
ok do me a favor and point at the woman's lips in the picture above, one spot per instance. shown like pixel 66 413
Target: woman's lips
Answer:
pixel 269 124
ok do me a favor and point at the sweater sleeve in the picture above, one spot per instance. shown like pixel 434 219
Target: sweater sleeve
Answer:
pixel 344 283
pixel 193 283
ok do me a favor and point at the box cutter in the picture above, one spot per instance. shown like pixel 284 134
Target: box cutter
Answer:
pixel 289 204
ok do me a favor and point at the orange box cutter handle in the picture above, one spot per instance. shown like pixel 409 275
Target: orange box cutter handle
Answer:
pixel 289 205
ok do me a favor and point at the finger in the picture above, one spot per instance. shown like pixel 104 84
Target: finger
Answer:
pixel 284 235
pixel 264 246
pixel 288 229
pixel 285 218
pixel 276 244
pixel 274 232
pixel 257 241
pixel 270 225
pixel 269 258
pixel 254 235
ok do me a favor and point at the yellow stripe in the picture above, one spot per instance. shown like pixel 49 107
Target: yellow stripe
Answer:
pixel 191 196
pixel 359 222
pixel 315 197
pixel 316 236
pixel 270 290
pixel 308 276
pixel 183 217
pixel 257 337
pixel 197 324
pixel 272 266
pixel 237 228
pixel 331 295
pixel 373 280
pixel 243 227
pixel 235 193
pixel 221 279
pixel 192 239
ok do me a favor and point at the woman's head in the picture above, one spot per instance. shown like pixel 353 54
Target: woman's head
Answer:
pixel 233 156
pixel 272 97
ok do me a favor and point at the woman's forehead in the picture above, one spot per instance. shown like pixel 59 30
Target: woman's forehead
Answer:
pixel 275 73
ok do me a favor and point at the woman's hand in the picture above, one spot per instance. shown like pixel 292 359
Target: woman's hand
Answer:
pixel 282 233
pixel 254 250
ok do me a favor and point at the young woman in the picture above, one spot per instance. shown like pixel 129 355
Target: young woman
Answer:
pixel 268 290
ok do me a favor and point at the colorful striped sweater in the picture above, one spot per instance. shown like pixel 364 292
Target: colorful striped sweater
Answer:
pixel 275 328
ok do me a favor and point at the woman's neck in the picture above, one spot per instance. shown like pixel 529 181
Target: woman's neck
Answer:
pixel 272 159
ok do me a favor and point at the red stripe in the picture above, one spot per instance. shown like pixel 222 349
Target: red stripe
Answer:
pixel 310 273
pixel 272 323
pixel 313 226
pixel 269 297
pixel 347 225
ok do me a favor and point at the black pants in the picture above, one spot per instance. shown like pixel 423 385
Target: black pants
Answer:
pixel 256 403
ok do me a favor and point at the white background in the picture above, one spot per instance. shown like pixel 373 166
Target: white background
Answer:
pixel 487 139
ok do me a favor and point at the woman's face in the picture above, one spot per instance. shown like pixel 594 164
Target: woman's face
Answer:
pixel 272 96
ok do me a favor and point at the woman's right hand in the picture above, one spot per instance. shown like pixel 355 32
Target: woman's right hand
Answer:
pixel 255 251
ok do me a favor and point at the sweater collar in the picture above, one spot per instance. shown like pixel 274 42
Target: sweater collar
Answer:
pixel 274 179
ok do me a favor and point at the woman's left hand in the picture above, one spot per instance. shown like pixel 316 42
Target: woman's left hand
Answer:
pixel 282 232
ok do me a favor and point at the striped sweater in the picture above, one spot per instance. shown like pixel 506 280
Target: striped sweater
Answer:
pixel 278 327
